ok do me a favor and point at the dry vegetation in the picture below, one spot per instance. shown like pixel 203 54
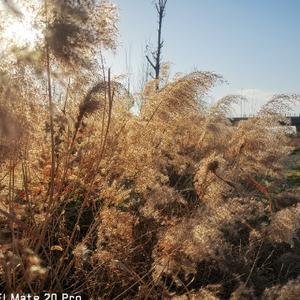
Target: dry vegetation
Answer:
pixel 172 203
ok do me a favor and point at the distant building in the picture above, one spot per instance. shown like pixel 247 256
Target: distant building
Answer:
pixel 292 129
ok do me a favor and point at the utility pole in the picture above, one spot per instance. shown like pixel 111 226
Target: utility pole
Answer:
pixel 155 62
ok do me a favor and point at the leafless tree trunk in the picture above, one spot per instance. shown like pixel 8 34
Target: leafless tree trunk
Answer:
pixel 155 62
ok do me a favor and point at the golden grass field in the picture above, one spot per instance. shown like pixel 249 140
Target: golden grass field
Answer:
pixel 170 202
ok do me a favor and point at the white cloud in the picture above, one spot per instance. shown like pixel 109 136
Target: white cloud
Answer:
pixel 256 94
pixel 255 99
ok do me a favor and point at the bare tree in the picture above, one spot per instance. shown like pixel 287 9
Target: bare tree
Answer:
pixel 155 62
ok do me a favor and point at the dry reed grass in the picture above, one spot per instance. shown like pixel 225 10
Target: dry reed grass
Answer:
pixel 173 203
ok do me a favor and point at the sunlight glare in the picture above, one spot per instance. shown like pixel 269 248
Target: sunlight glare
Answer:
pixel 20 30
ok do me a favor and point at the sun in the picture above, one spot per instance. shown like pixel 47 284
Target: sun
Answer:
pixel 20 30
pixel 21 34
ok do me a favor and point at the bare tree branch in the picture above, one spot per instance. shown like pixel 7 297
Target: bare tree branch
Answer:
pixel 160 7
pixel 150 62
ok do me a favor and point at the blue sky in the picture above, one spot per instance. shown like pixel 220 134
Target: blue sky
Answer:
pixel 254 44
